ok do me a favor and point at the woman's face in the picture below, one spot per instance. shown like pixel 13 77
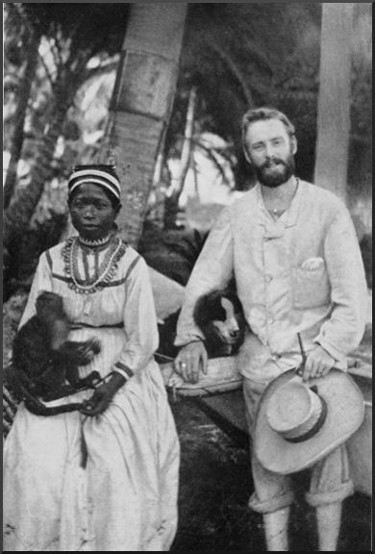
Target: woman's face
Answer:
pixel 92 212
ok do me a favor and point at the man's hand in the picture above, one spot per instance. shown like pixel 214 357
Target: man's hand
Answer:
pixel 318 363
pixel 191 358
pixel 102 396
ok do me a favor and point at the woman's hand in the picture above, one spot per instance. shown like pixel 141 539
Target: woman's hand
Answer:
pixel 102 396
pixel 191 358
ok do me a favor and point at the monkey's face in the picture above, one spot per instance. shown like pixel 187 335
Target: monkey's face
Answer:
pixel 49 303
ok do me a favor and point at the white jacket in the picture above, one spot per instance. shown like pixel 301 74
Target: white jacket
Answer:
pixel 302 273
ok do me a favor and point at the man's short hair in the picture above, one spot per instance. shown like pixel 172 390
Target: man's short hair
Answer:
pixel 264 114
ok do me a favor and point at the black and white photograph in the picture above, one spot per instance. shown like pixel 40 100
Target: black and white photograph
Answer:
pixel 187 277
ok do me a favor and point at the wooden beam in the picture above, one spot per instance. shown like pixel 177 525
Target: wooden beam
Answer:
pixel 333 131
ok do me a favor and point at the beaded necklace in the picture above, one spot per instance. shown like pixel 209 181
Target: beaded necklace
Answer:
pixel 103 274
pixel 95 243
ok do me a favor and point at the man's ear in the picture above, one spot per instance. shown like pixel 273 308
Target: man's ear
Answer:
pixel 247 156
pixel 294 144
pixel 117 209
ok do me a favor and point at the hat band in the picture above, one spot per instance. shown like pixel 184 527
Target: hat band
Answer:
pixel 315 428
pixel 94 176
pixel 94 181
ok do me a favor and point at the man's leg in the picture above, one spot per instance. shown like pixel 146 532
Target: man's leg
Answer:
pixel 273 493
pixel 276 530
pixel 272 497
pixel 330 485
pixel 329 521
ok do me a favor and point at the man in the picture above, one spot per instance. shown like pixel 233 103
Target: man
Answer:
pixel 292 249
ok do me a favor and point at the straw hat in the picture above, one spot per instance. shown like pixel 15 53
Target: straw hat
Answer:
pixel 299 423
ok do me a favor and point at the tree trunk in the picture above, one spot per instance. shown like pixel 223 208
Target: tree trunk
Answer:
pixel 141 104
pixel 331 164
pixel 19 116
pixel 171 202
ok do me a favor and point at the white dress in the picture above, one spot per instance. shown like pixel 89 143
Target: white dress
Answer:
pixel 125 498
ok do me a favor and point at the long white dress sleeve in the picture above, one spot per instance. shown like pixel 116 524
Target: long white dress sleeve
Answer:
pixel 140 326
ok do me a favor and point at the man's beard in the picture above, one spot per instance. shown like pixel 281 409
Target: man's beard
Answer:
pixel 276 178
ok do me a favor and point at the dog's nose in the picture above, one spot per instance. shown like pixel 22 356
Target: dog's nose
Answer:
pixel 234 333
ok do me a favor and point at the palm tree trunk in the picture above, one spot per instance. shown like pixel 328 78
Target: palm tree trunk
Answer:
pixel 334 99
pixel 141 104
pixel 19 117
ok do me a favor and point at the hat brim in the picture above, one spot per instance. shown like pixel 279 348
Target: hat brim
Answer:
pixel 345 415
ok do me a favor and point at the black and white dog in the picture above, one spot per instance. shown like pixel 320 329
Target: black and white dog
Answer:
pixel 220 317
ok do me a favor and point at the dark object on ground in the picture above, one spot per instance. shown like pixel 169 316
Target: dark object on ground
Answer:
pixel 220 317
pixel 44 360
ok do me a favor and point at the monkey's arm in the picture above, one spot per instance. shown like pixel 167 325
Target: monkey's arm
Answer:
pixel 79 353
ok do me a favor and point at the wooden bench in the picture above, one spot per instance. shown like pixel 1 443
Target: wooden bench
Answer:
pixel 220 396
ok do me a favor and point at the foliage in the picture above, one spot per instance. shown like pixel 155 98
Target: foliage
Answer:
pixel 259 62
pixel 12 312
pixel 264 50
pixel 172 253
pixel 72 36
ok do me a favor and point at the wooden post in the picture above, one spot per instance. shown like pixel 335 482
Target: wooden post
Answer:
pixel 331 164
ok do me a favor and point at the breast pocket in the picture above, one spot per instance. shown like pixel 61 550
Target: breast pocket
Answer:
pixel 311 287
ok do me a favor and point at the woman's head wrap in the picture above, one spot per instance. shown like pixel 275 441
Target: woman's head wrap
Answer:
pixel 104 176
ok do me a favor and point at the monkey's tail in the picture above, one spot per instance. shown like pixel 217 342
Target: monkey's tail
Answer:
pixel 41 409
pixel 36 407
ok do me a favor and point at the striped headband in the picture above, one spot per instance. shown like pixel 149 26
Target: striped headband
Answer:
pixel 103 176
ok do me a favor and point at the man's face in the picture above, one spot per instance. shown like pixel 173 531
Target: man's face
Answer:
pixel 271 151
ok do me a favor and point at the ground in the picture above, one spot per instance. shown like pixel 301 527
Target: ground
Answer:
pixel 215 485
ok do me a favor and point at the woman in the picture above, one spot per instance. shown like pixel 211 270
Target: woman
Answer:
pixel 105 479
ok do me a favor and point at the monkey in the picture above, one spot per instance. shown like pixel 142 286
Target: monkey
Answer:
pixel 220 317
pixel 44 362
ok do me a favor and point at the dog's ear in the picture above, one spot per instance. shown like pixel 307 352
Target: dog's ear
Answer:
pixel 208 308
pixel 200 312
pixel 203 310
